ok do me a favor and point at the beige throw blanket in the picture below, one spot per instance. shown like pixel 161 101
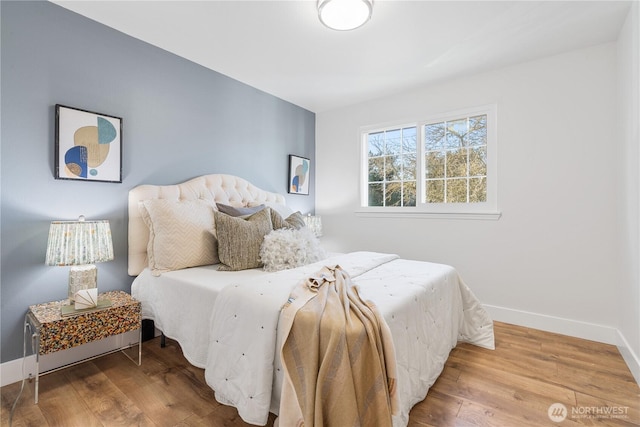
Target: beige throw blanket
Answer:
pixel 338 357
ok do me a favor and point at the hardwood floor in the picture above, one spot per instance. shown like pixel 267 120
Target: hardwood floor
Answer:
pixel 513 385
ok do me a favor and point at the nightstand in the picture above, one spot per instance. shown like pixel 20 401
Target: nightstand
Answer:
pixel 53 332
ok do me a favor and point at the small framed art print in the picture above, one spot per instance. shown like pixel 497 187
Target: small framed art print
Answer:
pixel 88 145
pixel 298 175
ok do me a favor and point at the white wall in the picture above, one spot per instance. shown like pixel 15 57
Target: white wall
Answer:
pixel 552 260
pixel 629 131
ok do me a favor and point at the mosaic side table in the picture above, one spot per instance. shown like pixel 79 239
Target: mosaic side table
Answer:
pixel 54 332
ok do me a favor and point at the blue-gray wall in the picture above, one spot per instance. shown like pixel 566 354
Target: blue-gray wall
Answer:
pixel 180 121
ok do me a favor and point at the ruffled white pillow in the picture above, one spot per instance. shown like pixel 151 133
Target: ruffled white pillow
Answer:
pixel 289 248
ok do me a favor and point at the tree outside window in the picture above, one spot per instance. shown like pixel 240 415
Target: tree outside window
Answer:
pixel 435 164
pixel 392 156
pixel 456 161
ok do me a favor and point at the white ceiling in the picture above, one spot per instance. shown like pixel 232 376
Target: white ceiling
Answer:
pixel 280 47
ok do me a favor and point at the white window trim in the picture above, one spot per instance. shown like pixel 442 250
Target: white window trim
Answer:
pixel 487 210
pixel 407 213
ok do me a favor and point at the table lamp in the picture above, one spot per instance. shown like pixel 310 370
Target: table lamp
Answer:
pixel 80 244
pixel 314 223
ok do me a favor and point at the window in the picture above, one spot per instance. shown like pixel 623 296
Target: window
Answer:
pixel 445 164
pixel 456 160
pixel 392 156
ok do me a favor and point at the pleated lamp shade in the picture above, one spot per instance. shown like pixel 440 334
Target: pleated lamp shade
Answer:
pixel 79 244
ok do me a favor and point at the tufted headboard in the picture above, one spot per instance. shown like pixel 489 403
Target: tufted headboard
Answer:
pixel 217 188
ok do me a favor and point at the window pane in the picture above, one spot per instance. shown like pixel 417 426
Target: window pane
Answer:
pixel 409 166
pixel 393 168
pixel 457 191
pixel 375 143
pixel 376 197
pixel 434 136
pixel 435 191
pixel 409 140
pixel 456 133
pixel 376 169
pixel 392 140
pixel 477 190
pixel 435 164
pixel 457 163
pixel 478 130
pixel 409 193
pixel 393 194
pixel 478 161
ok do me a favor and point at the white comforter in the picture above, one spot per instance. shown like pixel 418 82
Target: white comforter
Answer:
pixel 427 307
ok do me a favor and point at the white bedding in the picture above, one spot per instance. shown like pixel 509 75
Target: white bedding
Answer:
pixel 180 304
pixel 427 307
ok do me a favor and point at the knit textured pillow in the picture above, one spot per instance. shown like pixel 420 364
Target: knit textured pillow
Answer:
pixel 295 220
pixel 239 239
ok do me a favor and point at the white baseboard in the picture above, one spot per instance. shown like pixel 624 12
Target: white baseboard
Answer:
pixel 633 362
pixel 12 371
pixel 574 328
pixel 559 325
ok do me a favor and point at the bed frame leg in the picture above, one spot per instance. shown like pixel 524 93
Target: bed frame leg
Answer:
pixel 163 341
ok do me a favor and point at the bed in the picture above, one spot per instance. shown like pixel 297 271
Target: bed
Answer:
pixel 226 322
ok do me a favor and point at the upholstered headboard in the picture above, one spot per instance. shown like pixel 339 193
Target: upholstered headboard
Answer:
pixel 217 188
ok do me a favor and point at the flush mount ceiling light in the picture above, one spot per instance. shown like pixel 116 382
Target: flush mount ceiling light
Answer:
pixel 344 15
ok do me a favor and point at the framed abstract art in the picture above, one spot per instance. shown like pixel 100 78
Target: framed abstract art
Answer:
pixel 88 145
pixel 298 175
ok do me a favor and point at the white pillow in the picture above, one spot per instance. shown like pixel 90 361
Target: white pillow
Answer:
pixel 181 234
pixel 289 248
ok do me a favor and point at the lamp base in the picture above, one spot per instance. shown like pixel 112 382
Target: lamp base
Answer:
pixel 82 277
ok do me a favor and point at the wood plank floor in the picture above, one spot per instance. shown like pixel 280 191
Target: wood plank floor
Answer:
pixel 513 385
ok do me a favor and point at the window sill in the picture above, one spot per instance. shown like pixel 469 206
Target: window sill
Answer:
pixel 493 216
